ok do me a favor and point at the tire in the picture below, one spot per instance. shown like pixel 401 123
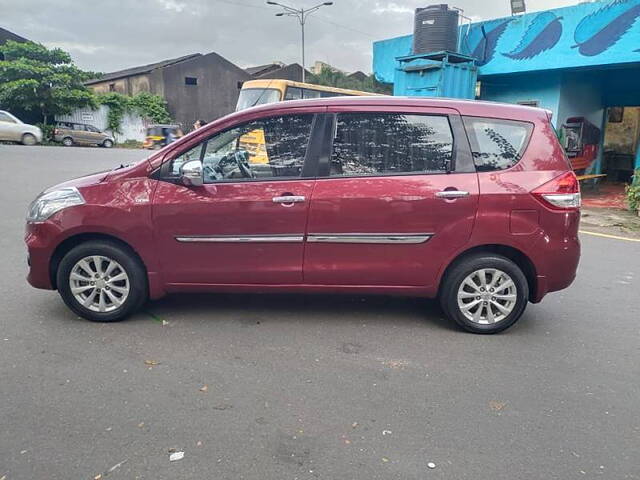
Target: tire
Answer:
pixel 81 261
pixel 67 141
pixel 29 139
pixel 107 143
pixel 501 303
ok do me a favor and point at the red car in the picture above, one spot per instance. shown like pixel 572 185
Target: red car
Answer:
pixel 473 203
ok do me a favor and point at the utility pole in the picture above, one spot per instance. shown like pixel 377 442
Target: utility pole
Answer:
pixel 301 14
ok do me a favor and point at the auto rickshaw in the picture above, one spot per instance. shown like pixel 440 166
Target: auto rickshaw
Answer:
pixel 159 136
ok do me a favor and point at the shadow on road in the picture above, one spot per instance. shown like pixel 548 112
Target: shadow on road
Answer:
pixel 251 308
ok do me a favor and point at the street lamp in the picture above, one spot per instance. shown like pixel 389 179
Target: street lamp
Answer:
pixel 301 14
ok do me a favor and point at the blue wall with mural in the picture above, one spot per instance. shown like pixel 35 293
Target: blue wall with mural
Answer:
pixel 586 35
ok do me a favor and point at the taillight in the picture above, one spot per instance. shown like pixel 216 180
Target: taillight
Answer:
pixel 561 193
pixel 56 131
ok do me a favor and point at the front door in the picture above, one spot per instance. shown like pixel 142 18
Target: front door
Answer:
pixel 246 224
pixel 397 197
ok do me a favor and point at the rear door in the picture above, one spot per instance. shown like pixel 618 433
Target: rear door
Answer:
pixel 79 134
pixel 397 194
pixel 93 135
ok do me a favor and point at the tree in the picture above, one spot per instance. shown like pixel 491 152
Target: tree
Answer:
pixel 35 78
pixel 333 78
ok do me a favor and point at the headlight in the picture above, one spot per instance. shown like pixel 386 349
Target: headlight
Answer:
pixel 49 203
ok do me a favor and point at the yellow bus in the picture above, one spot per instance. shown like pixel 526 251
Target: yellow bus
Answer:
pixel 260 92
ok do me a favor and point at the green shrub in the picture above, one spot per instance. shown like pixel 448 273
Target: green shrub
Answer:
pixel 146 104
pixel 47 132
pixel 633 192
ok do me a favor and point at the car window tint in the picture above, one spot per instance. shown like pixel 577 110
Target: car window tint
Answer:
pixel 390 143
pixel 497 144
pixel 266 148
pixel 77 126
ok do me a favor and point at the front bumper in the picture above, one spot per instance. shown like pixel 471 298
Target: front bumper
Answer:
pixel 40 249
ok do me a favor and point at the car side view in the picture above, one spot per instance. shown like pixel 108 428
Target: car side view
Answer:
pixel 12 129
pixel 472 203
pixel 69 134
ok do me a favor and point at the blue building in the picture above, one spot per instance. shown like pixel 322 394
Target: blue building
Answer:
pixel 579 61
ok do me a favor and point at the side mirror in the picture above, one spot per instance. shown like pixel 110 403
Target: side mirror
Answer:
pixel 191 174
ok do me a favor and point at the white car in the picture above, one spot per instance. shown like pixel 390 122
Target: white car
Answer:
pixel 13 130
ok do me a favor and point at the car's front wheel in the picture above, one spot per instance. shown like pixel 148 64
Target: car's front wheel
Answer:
pixel 107 143
pixel 485 293
pixel 29 139
pixel 102 281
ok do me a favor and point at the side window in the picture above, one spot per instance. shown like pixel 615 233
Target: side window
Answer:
pixel 6 118
pixel 389 143
pixel 77 126
pixel 310 93
pixel 268 148
pixel 293 93
pixel 497 144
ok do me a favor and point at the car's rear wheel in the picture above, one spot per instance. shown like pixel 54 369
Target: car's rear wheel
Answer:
pixel 29 139
pixel 107 143
pixel 102 281
pixel 485 293
pixel 67 141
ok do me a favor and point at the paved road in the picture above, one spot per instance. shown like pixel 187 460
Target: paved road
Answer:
pixel 311 387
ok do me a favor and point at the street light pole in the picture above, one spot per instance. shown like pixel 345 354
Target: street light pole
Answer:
pixel 301 14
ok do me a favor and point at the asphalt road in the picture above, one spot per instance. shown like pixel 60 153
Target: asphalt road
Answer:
pixel 311 387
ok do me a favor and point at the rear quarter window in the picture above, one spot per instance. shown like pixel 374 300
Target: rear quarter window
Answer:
pixel 497 144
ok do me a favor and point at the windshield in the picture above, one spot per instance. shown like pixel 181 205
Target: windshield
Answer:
pixel 251 97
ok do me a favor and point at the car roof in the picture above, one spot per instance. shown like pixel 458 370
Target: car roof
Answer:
pixel 476 108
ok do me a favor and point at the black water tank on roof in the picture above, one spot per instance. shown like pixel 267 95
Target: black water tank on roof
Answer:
pixel 435 29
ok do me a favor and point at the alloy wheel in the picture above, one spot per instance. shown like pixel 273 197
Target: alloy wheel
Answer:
pixel 487 296
pixel 99 283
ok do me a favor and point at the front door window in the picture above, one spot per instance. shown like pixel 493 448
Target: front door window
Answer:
pixel 264 149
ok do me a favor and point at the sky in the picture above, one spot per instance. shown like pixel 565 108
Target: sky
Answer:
pixel 109 35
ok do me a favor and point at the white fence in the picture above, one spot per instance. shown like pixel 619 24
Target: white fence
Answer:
pixel 133 126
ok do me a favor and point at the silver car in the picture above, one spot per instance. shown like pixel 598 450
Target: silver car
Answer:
pixel 13 130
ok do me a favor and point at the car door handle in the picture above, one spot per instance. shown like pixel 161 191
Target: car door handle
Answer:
pixel 289 199
pixel 452 194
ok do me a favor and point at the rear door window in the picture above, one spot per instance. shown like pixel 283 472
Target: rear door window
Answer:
pixel 497 144
pixel 390 143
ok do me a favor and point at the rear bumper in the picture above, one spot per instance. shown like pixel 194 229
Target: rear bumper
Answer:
pixel 556 264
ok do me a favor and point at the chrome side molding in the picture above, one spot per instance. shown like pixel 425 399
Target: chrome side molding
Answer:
pixel 242 239
pixel 371 238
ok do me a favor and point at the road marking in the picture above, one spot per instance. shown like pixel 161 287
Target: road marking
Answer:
pixel 615 237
